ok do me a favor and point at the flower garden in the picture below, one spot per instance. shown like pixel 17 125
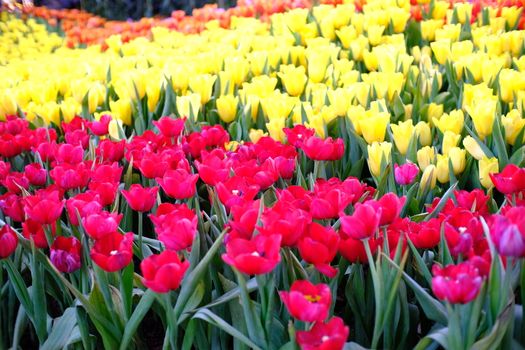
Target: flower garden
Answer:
pixel 278 175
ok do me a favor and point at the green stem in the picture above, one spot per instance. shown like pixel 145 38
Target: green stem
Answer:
pixel 377 291
pixel 141 230
pixel 171 331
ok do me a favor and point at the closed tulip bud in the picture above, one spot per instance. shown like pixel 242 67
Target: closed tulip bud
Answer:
pixel 358 46
pixel 439 10
pixel 96 96
pixel 374 127
pixel 227 107
pixel 376 153
pixel 458 157
pixel 453 121
pixel 355 114
pixel 429 177
pixel 275 129
pixel 7 104
pixel 435 111
pixel 346 35
pixel 423 133
pixel 121 109
pixel 294 79
pixel 428 28
pixel 425 157
pixel 487 166
pixel 450 140
pixel 153 93
pixel 441 50
pixel 513 124
pixel 256 134
pixel 511 15
pixel 473 148
pixel 375 32
pixel 483 112
pixel 317 63
pixel 189 105
pixel 340 99
pixel 203 85
pixel 402 134
pixel 442 168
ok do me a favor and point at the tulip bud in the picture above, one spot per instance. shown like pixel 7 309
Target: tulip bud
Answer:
pixel 450 139
pixel 375 32
pixel 458 159
pixel 294 79
pixel 202 85
pixel 374 127
pixel 423 133
pixel 487 166
pixel 473 148
pixel 376 153
pixel 425 157
pixel 434 111
pixel 483 111
pixel 275 129
pixel 256 134
pixel 189 105
pixel 121 109
pixel 441 50
pixel 429 177
pixel 450 122
pixel 7 105
pixel 442 168
pixel 227 107
pixel 513 124
pixel 402 133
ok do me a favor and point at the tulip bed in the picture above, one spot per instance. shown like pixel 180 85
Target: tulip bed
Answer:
pixel 341 176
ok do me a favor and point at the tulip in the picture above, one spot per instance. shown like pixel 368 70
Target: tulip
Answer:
pixel 307 302
pixel 189 105
pixel 442 168
pixel 483 112
pixel 450 140
pixel 513 123
pixel 453 121
pixel 457 284
pixel 318 247
pixel 227 107
pixel 378 154
pixel 97 225
pixel 82 205
pixel 179 184
pixel 34 231
pixel 425 157
pixel 402 133
pixel 65 254
pixel 427 234
pixel 441 50
pixel 113 251
pixel 429 177
pixel 100 127
pixel 12 206
pixel 389 206
pixel 473 148
pixel 458 158
pixel 294 79
pixel 374 128
pixel 289 222
pixel 170 127
pixel 316 148
pixel 508 232
pixel 256 134
pixel 510 181
pixel 139 198
pixel 163 272
pixel 257 256
pixel 121 110
pixel 405 174
pixel 8 104
pixel 44 207
pixel 331 335
pixel 8 241
pixel 363 223
pixel 202 85
pixel 175 225
pixel 36 175
pixel 424 135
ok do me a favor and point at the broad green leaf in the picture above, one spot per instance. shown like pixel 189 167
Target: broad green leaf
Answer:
pixel 62 330
pixel 136 318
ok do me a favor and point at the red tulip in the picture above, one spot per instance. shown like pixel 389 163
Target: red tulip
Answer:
pixel 78 137
pixel 12 206
pixel 475 201
pixel 331 335
pixel 457 284
pixel 14 182
pixel 5 168
pixel 140 198
pixel 65 254
pixel 405 174
pixel 106 191
pixel 34 231
pixel 44 207
pixel 112 151
pixel 8 241
pixel 319 247
pixel 83 204
pixel 298 134
pixel 427 234
pixel 510 180
pixel 244 218
pixel 213 167
pixel 36 175
pixel 390 206
pixel 354 251
pixel 286 221
pixel 508 232
pixel 66 153
pixel 296 196
pixel 100 127
pixel 179 184
pixel 257 256
pixel 170 127
pixel 176 228
pixel 97 225
pixel 152 165
pixel 317 148
pixel 235 191
pixel 163 272
pixel 113 251
pixel 363 223
pixel 308 302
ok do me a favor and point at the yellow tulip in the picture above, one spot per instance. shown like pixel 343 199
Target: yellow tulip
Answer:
pixel 378 152
pixel 423 133
pixel 70 108
pixel 346 35
pixel 442 169
pixel 428 178
pixel 121 109
pixel 513 124
pixel 487 166
pixel 375 32
pixel 402 133
pixel 440 9
pixel 317 64
pixel 275 129
pixel 340 99
pixel 153 93
pixel 511 15
pixel 483 113
pixel 425 157
pixel 317 123
pixel 435 111
pixel 227 107
pixel 450 140
pixel 203 85
pixel 7 104
pixel 256 134
pixel 428 28
pixel 114 128
pixel 189 105
pixel 238 67
pixel 458 157
pixel 473 148
pixel 374 127
pixel 294 79
pixel 441 50
pixel 450 122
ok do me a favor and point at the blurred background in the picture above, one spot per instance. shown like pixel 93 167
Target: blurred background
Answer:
pixel 132 9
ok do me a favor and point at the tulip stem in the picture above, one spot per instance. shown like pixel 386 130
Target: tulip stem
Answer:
pixel 141 228
pixel 522 287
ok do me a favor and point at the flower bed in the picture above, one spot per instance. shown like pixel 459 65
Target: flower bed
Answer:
pixel 342 177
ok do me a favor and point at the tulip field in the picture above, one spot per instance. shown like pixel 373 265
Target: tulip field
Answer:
pixel 292 174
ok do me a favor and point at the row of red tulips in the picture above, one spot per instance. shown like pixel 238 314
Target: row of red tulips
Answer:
pixel 334 247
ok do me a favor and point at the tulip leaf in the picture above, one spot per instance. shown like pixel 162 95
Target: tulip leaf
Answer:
pixel 493 338
pixel 136 318
pixel 38 296
pixel 19 287
pixel 213 319
pixel 439 336
pixel 442 202
pixel 421 265
pixel 499 141
pixel 353 346
pixel 192 302
pixel 63 328
pixel 518 156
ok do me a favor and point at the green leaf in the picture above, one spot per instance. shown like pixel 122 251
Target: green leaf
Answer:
pixel 136 318
pixel 440 336
pixel 441 203
pixel 501 147
pixel 62 330
pixel 193 302
pixel 493 339
pixel 213 319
